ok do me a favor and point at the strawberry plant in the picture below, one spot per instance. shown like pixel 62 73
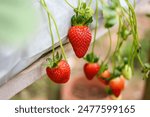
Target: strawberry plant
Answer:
pixel 127 31
pixel 92 67
pixel 79 33
pixel 58 70
pixel 80 37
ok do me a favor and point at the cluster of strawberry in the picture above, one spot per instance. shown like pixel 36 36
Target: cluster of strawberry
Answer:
pixel 114 85
pixel 80 36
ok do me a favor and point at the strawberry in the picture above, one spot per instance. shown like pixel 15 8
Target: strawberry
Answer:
pixel 80 39
pixel 60 73
pixel 91 69
pixel 58 70
pixel 79 34
pixel 117 85
pixel 104 77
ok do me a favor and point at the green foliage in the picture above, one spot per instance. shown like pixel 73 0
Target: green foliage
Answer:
pixel 83 15
pixel 92 58
pixel 146 70
pixel 103 68
pixel 54 62
pixel 110 14
pixel 124 33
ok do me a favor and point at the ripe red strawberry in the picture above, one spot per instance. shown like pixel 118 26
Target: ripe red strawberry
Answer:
pixel 80 39
pixel 117 85
pixel 91 69
pixel 105 75
pixel 60 73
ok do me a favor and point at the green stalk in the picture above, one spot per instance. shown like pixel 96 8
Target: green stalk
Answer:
pixel 136 43
pixel 73 6
pixel 139 58
pixel 118 45
pixel 52 37
pixel 69 4
pixel 50 15
pixel 51 34
pixel 110 46
pixel 62 49
pixel 79 5
pixel 96 27
pixel 90 2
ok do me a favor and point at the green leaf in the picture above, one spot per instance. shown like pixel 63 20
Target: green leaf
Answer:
pixel 83 15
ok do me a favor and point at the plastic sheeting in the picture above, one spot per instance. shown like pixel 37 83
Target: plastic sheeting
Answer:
pixel 14 59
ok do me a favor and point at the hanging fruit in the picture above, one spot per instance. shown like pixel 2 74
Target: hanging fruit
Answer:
pixel 58 70
pixel 79 33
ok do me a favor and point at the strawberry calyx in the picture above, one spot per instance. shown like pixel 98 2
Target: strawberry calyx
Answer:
pixel 91 58
pixel 104 67
pixel 146 70
pixel 83 15
pixel 108 90
pixel 54 62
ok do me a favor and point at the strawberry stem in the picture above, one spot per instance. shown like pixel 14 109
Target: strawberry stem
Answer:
pixel 52 37
pixel 90 2
pixel 96 27
pixel 62 49
pixel 73 6
pixel 69 4
pixel 51 33
pixel 110 44
pixel 136 44
pixel 50 15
